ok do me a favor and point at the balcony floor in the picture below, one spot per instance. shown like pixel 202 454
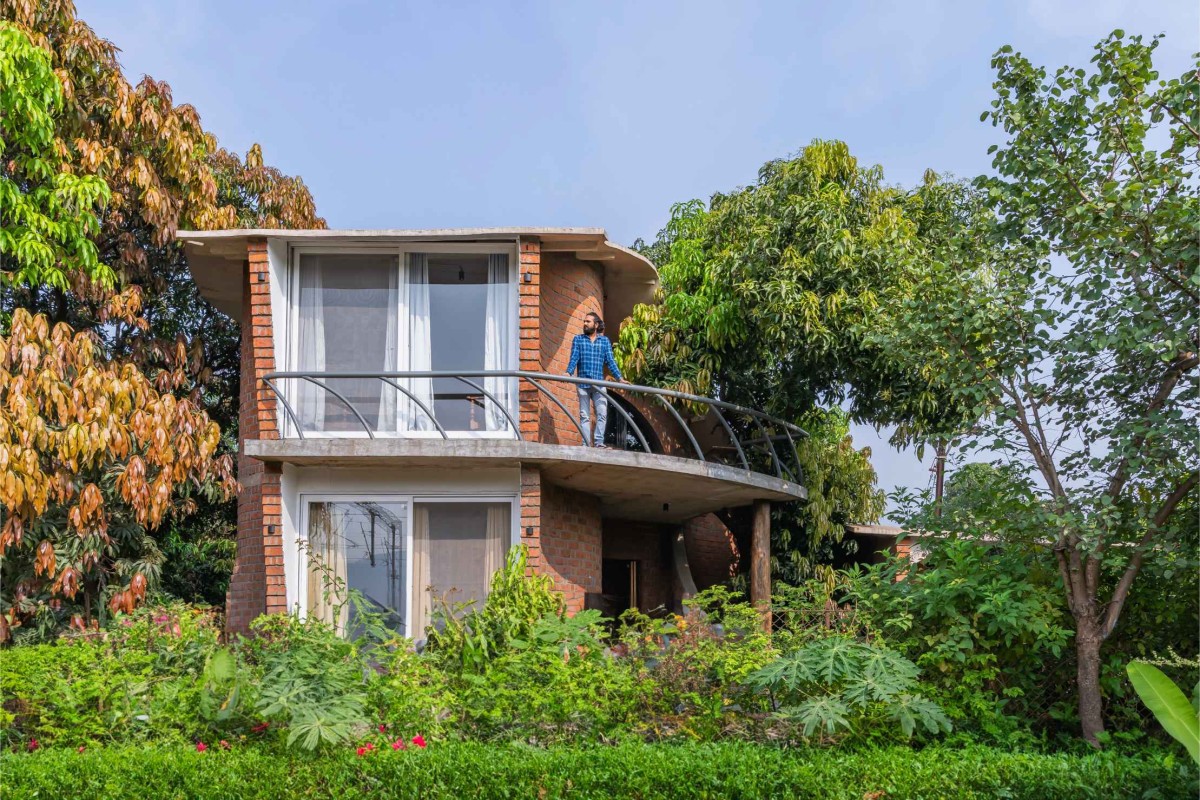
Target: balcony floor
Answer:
pixel 629 485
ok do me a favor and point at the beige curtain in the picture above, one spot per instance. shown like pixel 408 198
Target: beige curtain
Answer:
pixel 327 566
pixel 421 578
pixel 495 543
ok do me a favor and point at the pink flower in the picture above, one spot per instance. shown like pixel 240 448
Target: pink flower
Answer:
pixel 81 749
pixel 201 747
pixel 224 745
pixel 33 745
pixel 370 747
pixel 362 751
pixel 382 727
pixel 419 741
pixel 399 745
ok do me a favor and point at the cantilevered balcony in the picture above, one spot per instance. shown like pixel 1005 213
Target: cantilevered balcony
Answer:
pixel 669 456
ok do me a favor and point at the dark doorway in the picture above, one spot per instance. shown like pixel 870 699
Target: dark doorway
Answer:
pixel 618 585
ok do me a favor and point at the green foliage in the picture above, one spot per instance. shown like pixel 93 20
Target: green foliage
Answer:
pixel 47 213
pixel 839 685
pixel 981 621
pixel 312 681
pixel 1169 705
pixel 734 770
pixel 841 490
pixel 1070 330
pixel 765 294
pixel 516 601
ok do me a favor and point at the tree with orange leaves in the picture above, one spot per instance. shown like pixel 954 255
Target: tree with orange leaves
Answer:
pixel 92 457
pixel 165 172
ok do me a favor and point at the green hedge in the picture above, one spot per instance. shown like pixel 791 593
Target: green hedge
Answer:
pixel 633 771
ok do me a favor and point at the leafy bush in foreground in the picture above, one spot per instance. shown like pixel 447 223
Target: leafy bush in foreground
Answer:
pixel 731 770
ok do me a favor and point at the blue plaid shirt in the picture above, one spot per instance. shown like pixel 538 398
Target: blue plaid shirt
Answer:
pixel 591 357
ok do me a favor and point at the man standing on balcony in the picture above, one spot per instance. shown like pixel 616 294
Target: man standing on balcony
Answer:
pixel 591 352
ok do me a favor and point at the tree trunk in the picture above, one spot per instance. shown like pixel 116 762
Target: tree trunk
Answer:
pixel 1091 702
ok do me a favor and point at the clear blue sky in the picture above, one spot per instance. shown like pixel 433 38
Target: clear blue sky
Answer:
pixel 412 115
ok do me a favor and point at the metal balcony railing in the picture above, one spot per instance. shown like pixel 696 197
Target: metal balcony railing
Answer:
pixel 755 439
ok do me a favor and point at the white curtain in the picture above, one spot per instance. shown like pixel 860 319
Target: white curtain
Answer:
pixel 421 601
pixel 327 574
pixel 413 351
pixel 497 343
pixel 310 398
pixel 495 542
pixel 390 398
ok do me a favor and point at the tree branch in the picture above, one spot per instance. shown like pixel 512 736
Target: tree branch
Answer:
pixel 1121 593
pixel 1184 363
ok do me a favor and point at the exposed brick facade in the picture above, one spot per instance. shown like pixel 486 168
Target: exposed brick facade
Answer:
pixel 566 536
pixel 530 333
pixel 712 550
pixel 650 545
pixel 257 585
pixel 562 531
pixel 569 289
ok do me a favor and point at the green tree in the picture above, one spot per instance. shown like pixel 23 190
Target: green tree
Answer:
pixel 46 213
pixel 1074 339
pixel 166 172
pixel 766 293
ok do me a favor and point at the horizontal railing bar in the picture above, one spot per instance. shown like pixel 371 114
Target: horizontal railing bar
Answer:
pixel 513 373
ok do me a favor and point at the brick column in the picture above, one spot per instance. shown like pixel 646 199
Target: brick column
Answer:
pixel 530 333
pixel 257 586
pixel 531 516
pixel 562 529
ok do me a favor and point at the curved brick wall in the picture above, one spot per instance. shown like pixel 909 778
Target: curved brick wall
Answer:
pixel 711 549
pixel 569 289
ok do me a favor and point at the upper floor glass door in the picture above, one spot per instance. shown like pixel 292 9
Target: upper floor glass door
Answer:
pixel 372 313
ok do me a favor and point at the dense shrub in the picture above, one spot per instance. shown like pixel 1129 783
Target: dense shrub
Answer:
pixel 731 770
pixel 985 623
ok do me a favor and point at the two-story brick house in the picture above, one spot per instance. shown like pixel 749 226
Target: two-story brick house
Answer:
pixel 406 418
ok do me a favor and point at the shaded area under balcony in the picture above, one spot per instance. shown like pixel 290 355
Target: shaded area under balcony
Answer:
pixel 632 485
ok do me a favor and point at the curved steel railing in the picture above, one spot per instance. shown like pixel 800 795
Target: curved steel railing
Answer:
pixel 758 454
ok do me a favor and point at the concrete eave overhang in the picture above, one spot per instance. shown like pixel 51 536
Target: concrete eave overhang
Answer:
pixel 638 486
pixel 215 258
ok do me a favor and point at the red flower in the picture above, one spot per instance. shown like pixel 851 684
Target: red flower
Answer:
pixel 382 727
pixel 399 745
pixel 224 745
pixel 33 745
pixel 419 741
pixel 260 727
pixel 362 751
pixel 201 747
pixel 370 747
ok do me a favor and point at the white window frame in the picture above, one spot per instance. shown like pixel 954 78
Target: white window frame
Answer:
pixel 401 250
pixel 410 500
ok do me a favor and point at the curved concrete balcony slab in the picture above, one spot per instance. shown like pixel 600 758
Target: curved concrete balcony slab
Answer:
pixel 630 485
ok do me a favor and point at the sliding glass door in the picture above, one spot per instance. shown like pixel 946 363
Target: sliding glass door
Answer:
pixel 403 311
pixel 402 556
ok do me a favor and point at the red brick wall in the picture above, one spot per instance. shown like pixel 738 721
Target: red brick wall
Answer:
pixel 650 545
pixel 257 585
pixel 569 289
pixel 530 334
pixel 711 549
pixel 562 530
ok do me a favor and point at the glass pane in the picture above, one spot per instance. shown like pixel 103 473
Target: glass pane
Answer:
pixel 457 547
pixel 345 304
pixel 359 546
pixel 457 314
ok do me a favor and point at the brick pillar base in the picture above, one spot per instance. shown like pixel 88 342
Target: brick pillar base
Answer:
pixel 257 586
pixel 563 531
